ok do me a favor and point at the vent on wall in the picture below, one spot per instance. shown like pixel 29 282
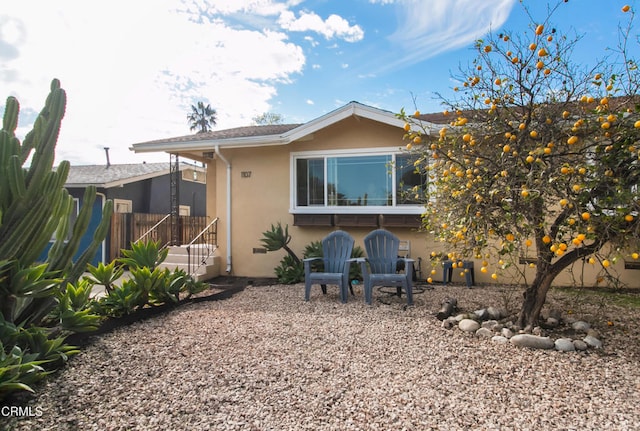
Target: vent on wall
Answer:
pixel 194 175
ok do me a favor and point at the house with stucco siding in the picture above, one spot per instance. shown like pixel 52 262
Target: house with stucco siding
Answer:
pixel 344 170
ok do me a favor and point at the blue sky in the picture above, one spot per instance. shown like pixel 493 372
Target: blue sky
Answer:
pixel 133 68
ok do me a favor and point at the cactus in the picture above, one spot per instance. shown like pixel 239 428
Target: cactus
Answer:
pixel 33 206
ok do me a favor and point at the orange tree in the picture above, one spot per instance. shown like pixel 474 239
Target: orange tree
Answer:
pixel 539 158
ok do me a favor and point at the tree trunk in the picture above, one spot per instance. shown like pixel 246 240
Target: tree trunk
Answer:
pixel 534 298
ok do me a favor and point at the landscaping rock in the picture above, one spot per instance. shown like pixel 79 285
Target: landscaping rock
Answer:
pixel 492 325
pixel 496 313
pixel 500 339
pixel 565 345
pixel 551 322
pixel 481 314
pixel 580 345
pixel 581 326
pixel 592 341
pixel 468 325
pixel 484 333
pixel 532 341
pixel 506 332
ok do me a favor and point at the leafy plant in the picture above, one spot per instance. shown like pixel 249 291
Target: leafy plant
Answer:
pixel 289 271
pixel 278 238
pixel 121 301
pixel 105 275
pixel 144 254
pixel 74 311
pixel 33 206
pixel 18 371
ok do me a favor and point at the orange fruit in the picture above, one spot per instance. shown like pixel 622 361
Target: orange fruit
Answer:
pixel 606 263
pixel 539 29
pixel 533 47
pixel 637 124
pixel 417 140
pixel 506 148
pixel 498 81
pixel 546 239
pixel 572 140
pixel 628 218
pixel 566 114
pixel 487 48
pixel 542 53
pixel 635 255
pixel 533 134
pixel 539 65
pixel 585 216
pixel 626 8
pixel 407 127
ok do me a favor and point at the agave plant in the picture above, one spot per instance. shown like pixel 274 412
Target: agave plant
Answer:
pixel 104 275
pixel 144 255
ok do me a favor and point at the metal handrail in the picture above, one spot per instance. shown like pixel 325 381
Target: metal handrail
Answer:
pixel 202 253
pixel 154 227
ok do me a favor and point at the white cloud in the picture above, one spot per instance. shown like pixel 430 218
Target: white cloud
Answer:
pixel 310 102
pixel 426 29
pixel 333 27
pixel 132 69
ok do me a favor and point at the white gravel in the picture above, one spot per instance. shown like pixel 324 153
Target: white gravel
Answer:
pixel 266 360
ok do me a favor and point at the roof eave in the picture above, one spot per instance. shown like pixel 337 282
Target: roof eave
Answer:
pixel 207 145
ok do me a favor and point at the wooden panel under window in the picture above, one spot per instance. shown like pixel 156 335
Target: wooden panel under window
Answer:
pixel 401 220
pixel 313 219
pixel 631 265
pixel 356 220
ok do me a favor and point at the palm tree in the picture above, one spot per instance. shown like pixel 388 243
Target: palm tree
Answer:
pixel 201 117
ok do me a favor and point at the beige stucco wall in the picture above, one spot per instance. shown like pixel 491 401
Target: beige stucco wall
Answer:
pixel 260 189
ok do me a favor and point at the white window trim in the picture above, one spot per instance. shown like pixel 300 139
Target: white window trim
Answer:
pixel 325 209
pixel 124 202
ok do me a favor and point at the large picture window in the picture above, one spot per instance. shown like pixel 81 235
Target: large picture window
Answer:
pixel 359 181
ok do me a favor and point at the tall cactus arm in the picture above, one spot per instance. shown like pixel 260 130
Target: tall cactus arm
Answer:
pixel 61 259
pixel 62 220
pixel 47 128
pixel 80 266
pixel 10 118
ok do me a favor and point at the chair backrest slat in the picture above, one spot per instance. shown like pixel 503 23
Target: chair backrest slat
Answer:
pixel 336 249
pixel 382 251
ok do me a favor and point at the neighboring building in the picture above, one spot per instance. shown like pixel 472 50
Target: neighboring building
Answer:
pixel 345 170
pixel 135 188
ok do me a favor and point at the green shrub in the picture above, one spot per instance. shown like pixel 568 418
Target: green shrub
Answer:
pixel 289 271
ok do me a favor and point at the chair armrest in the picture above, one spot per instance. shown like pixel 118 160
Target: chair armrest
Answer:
pixel 311 259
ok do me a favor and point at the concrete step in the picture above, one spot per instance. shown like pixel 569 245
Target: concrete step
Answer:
pixel 204 272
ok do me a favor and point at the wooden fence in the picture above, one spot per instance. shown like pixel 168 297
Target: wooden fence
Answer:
pixel 128 227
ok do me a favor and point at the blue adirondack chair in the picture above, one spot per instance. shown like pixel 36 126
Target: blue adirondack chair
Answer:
pixel 380 267
pixel 336 259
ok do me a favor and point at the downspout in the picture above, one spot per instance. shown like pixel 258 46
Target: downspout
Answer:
pixel 104 241
pixel 226 162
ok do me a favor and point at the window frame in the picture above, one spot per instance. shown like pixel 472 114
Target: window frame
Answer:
pixel 337 209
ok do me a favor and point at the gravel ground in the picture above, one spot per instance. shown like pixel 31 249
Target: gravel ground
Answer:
pixel 266 360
